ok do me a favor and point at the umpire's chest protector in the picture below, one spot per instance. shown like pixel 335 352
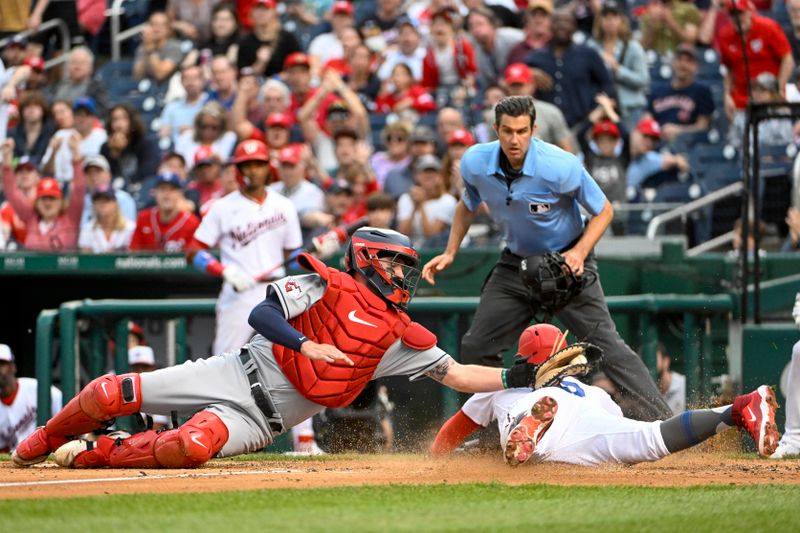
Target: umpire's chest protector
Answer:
pixel 358 322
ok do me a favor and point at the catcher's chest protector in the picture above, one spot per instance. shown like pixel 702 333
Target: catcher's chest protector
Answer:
pixel 359 323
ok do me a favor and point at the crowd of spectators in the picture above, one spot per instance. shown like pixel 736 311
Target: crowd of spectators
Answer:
pixel 367 107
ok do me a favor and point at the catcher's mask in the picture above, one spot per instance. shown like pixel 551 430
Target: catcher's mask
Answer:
pixel 387 261
pixel 540 341
pixel 551 282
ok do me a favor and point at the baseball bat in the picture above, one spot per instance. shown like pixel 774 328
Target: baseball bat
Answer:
pixel 342 232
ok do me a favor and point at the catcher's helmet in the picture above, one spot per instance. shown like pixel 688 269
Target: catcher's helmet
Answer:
pixel 364 253
pixel 540 341
pixel 551 281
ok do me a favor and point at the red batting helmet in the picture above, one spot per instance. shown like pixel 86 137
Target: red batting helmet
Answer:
pixel 368 246
pixel 540 341
pixel 251 150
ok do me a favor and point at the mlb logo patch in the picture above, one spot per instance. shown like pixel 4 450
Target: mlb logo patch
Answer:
pixel 538 208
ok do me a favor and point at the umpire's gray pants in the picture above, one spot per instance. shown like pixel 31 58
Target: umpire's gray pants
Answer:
pixel 505 310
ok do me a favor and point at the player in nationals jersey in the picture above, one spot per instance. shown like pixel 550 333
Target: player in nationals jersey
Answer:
pixel 580 424
pixel 321 338
pixel 255 230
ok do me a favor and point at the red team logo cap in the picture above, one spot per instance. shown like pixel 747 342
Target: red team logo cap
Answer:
pixel 296 59
pixel 291 154
pixel 605 127
pixel 540 341
pixel 649 127
pixel 518 73
pixel 48 188
pixel 342 7
pixel 269 4
pixel 251 150
pixel 36 63
pixel 279 120
pixel 462 137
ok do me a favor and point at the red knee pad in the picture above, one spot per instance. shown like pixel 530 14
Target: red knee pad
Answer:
pixel 194 443
pixel 111 396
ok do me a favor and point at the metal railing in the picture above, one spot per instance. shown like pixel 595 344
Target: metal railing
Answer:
pixel 118 36
pixel 680 212
pixel 66 41
pixel 696 310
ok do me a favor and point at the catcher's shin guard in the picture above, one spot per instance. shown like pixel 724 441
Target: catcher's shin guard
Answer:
pixel 189 446
pixel 95 406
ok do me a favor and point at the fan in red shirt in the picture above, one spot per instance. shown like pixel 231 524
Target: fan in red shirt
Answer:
pixel 400 93
pixel 297 75
pixel 165 227
pixel 768 50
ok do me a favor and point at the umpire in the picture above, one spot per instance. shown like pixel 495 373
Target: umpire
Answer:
pixel 534 189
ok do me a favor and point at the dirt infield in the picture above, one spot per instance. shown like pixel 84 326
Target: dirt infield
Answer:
pixel 685 469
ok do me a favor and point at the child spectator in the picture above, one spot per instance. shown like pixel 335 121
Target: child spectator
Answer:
pixel 645 160
pixel 165 227
pixel 51 224
pixel 402 95
pixel 426 211
pixel 131 154
pixel 606 160
pixel 108 230
pixel 457 144
pixel 381 209
pixel 449 61
pixel 681 105
pixel 159 55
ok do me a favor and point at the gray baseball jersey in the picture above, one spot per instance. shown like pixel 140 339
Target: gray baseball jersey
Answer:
pixel 219 384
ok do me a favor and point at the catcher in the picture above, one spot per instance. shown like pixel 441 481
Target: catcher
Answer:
pixel 321 338
pixel 565 420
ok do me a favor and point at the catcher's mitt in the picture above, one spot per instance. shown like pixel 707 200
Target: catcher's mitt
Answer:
pixel 575 360
pixel 551 282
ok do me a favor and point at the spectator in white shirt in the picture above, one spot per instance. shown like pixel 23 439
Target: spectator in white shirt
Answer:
pixel 108 230
pixel 409 50
pixel 210 129
pixel 308 199
pixel 328 46
pixel 57 160
pixel 426 211
pixel 178 115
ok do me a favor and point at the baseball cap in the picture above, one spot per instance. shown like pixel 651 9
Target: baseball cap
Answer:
pixel 611 6
pixel 136 329
pixel 169 178
pixel 428 162
pixel 296 59
pixel 766 81
pixel 448 13
pixel 461 136
pixel 48 187
pixel 97 161
pixel 605 127
pixel 422 134
pixel 6 354
pixel 36 63
pixel 24 162
pixel 18 40
pixel 281 120
pixel 85 102
pixel 686 49
pixel 290 154
pixel 141 355
pixel 342 7
pixel 405 20
pixel 544 5
pixel 105 192
pixel 269 4
pixel 518 73
pixel 205 155
pixel 649 127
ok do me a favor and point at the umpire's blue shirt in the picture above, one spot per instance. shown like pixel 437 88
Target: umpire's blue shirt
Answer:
pixel 540 209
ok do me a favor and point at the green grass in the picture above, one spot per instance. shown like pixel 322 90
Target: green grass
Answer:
pixel 486 507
